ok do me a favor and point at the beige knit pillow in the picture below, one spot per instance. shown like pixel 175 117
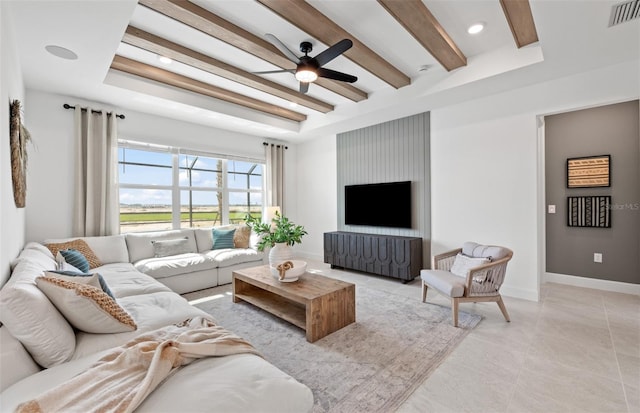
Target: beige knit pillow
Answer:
pixel 242 236
pixel 79 245
pixel 87 308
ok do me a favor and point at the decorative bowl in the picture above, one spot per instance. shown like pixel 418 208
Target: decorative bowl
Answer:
pixel 292 274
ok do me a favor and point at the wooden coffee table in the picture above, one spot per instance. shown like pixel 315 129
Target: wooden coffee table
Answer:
pixel 317 304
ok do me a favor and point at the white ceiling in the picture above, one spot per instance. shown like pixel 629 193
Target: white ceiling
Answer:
pixel 573 36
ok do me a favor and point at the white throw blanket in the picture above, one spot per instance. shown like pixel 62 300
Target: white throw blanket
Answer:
pixel 121 380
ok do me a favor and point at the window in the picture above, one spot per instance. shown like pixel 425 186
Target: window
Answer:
pixel 165 188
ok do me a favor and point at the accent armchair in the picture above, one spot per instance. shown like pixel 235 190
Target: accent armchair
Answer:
pixel 473 273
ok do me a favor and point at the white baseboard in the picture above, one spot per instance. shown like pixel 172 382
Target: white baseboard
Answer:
pixel 606 285
pixel 515 292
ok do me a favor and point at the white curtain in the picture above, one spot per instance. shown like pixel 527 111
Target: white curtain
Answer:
pixel 96 208
pixel 274 155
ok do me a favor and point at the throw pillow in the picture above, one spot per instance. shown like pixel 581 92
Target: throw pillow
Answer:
pixel 87 308
pixel 75 258
pixel 94 279
pixel 165 248
pixel 223 238
pixel 463 264
pixel 242 236
pixel 78 245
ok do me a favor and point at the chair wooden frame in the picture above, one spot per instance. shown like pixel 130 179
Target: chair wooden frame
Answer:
pixel 488 291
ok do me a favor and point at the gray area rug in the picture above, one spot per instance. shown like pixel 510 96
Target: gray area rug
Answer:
pixel 371 365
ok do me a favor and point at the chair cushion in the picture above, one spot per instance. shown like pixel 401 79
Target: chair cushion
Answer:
pixel 444 281
pixel 473 249
pixel 463 264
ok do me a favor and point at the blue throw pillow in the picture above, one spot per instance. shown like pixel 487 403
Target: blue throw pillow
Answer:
pixel 223 238
pixel 75 258
pixel 103 283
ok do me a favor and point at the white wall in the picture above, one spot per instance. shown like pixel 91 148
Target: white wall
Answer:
pixel 485 166
pixel 316 192
pixel 49 199
pixel 485 169
pixel 12 219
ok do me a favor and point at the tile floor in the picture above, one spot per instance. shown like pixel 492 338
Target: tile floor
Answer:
pixel 577 350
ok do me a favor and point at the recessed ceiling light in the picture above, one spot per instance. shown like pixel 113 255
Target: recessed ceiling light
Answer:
pixel 293 105
pixel 61 52
pixel 475 28
pixel 165 60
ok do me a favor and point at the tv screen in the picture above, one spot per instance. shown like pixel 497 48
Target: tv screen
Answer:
pixel 381 205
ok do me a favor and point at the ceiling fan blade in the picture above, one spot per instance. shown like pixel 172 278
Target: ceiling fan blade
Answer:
pixel 332 74
pixel 304 87
pixel 274 71
pixel 283 49
pixel 333 52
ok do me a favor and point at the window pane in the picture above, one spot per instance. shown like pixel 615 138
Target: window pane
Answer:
pixel 242 203
pixel 244 175
pixel 144 210
pixel 144 167
pixel 200 171
pixel 199 209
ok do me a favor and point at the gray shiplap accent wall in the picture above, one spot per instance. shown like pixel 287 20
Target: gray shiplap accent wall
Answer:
pixel 397 150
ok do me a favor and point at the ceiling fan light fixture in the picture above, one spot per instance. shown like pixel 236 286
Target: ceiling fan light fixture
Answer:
pixel 306 75
pixel 476 28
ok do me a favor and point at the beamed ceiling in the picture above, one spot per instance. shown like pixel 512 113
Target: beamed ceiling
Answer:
pixel 412 15
pixel 404 52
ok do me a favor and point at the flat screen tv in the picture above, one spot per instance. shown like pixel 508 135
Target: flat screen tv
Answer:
pixel 381 205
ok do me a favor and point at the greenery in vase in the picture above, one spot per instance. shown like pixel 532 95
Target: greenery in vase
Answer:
pixel 282 230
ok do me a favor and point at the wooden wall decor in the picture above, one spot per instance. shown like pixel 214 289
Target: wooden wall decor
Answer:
pixel 589 172
pixel 18 138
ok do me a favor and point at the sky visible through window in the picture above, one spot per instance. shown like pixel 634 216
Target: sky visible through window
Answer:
pixel 155 171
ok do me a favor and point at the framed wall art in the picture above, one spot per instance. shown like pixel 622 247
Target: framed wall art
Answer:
pixel 589 172
pixel 589 211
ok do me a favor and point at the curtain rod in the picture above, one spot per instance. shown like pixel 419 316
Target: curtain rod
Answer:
pixel 68 106
pixel 274 144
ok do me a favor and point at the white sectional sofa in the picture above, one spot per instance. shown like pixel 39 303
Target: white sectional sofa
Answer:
pixel 39 348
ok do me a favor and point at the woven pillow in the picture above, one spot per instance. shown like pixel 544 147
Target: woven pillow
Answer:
pixel 463 264
pixel 78 245
pixel 87 308
pixel 242 236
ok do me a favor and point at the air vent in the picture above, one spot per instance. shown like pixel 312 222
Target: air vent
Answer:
pixel 624 12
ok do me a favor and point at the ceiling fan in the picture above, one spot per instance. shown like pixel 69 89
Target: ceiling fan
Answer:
pixel 310 68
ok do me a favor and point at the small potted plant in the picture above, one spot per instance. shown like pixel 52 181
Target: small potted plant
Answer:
pixel 280 234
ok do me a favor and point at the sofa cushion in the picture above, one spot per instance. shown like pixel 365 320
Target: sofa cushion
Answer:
pixel 29 315
pixel 473 249
pixel 168 247
pixel 124 280
pixel 78 245
pixel 175 265
pixel 444 281
pixel 87 308
pixel 233 256
pixel 149 311
pixel 140 246
pixel 109 249
pixel 223 238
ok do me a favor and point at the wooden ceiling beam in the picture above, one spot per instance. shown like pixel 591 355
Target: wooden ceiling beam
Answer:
pixel 416 19
pixel 155 44
pixel 520 19
pixel 308 19
pixel 203 20
pixel 146 71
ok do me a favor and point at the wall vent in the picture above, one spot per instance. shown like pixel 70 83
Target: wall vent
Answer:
pixel 624 12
